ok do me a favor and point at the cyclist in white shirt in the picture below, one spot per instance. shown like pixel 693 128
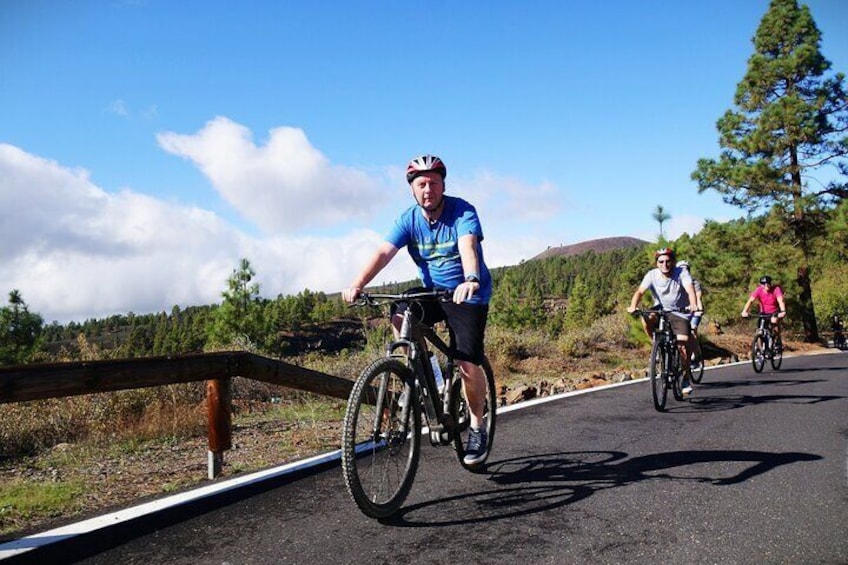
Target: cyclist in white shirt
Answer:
pixel 672 289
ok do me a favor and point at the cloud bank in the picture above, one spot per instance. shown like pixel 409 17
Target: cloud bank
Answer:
pixel 76 251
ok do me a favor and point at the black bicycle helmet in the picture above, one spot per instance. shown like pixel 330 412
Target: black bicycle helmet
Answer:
pixel 765 279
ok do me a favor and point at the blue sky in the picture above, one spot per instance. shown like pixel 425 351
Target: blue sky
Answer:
pixel 146 146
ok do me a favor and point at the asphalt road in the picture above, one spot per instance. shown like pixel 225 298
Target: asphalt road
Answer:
pixel 752 469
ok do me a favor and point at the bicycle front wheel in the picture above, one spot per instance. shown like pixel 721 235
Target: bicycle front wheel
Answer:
pixel 777 354
pixel 462 417
pixel 657 371
pixel 675 372
pixel 381 438
pixel 758 353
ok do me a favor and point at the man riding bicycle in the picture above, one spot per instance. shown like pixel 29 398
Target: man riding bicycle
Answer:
pixel 672 289
pixel 770 298
pixel 442 235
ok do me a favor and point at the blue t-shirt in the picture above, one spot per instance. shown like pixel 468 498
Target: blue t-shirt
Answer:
pixel 435 247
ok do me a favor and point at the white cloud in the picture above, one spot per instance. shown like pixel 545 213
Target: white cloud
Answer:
pixel 76 251
pixel 503 198
pixel 284 186
pixel 677 226
pixel 519 219
pixel 119 108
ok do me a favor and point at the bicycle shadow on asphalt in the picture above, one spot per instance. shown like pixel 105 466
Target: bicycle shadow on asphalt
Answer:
pixel 757 382
pixel 714 397
pixel 808 370
pixel 722 403
pixel 538 483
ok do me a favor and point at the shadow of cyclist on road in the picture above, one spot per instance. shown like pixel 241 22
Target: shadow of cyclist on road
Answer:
pixel 538 483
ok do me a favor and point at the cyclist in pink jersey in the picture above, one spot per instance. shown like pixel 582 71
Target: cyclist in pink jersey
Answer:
pixel 770 298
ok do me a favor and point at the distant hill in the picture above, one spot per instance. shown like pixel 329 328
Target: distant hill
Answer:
pixel 596 245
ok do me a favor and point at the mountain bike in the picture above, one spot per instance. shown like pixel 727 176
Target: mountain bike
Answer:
pixel 666 368
pixel 766 345
pixel 381 437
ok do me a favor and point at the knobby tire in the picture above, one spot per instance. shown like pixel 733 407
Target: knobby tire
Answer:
pixel 777 353
pixel 675 372
pixel 758 353
pixel 657 371
pixel 379 463
pixel 697 365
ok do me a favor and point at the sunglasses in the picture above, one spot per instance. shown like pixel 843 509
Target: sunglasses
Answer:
pixel 663 261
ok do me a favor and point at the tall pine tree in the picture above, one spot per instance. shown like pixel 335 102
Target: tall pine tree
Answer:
pixel 785 143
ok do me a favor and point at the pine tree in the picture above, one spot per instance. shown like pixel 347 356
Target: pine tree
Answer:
pixel 789 124
pixel 582 306
pixel 239 314
pixel 20 331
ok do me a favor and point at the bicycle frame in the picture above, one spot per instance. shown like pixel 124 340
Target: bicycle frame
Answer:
pixel 668 343
pixel 411 347
pixel 764 328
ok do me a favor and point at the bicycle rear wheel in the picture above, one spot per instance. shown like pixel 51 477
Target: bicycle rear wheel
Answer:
pixel 758 353
pixel 777 353
pixel 697 364
pixel 462 417
pixel 381 439
pixel 657 370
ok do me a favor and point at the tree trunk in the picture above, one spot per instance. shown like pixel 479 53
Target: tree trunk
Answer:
pixel 805 301
pixel 805 296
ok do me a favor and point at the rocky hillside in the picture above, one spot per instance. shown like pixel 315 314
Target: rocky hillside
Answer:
pixel 596 245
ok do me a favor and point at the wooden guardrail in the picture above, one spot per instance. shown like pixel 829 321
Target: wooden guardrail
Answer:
pixel 21 383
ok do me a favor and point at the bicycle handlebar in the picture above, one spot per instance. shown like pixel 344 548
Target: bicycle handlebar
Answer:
pixel 643 312
pixel 376 299
pixel 761 316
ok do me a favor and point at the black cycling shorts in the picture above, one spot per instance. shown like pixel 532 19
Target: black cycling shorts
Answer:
pixel 466 325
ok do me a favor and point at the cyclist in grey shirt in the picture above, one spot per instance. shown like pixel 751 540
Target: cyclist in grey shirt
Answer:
pixel 672 289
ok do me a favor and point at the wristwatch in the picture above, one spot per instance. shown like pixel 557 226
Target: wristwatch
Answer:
pixel 472 278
